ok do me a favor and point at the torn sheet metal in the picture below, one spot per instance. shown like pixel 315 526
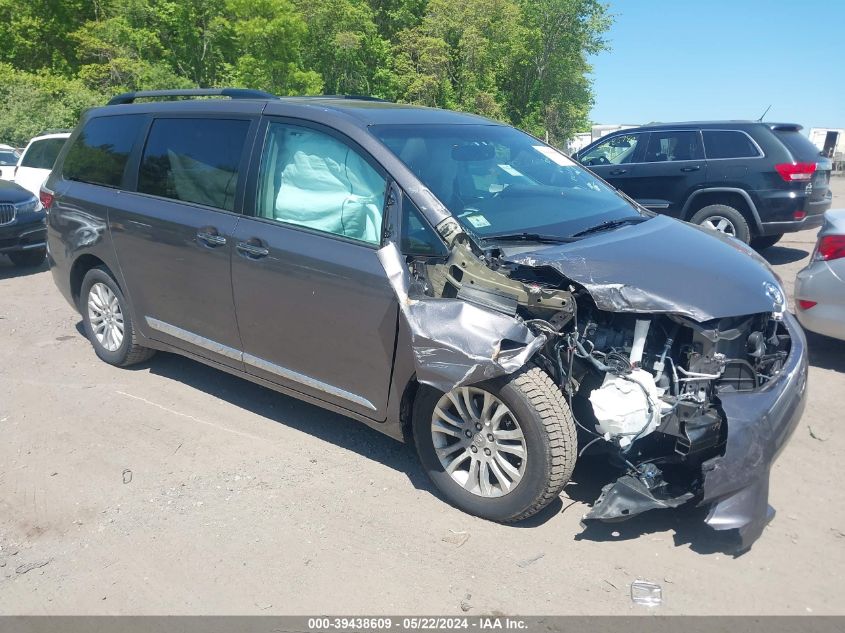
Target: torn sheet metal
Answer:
pixel 736 484
pixel 457 343
pixel 661 266
pixel 627 497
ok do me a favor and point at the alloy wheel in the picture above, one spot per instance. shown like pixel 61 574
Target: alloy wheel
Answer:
pixel 721 224
pixel 105 316
pixel 478 441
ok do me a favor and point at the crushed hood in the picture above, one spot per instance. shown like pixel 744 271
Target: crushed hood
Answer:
pixel 663 265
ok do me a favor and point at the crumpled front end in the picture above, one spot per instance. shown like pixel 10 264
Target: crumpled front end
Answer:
pixel 691 399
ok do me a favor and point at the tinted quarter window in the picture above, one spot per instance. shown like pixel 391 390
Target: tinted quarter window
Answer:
pixel 418 238
pixel 194 160
pixel 42 154
pixel 99 153
pixel 726 144
pixel 666 146
pixel 801 148
pixel 314 180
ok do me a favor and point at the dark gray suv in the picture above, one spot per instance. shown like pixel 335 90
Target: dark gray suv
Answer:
pixel 440 277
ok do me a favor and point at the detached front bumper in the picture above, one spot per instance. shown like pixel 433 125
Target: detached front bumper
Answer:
pixel 736 484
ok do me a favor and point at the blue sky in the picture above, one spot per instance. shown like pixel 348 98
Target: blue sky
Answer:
pixel 677 60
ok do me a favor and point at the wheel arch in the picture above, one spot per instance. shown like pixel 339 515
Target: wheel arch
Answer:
pixel 731 196
pixel 80 268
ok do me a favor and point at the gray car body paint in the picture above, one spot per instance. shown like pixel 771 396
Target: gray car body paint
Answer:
pixel 661 265
pixel 456 343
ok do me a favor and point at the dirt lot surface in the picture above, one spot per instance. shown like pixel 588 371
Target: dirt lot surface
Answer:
pixel 174 488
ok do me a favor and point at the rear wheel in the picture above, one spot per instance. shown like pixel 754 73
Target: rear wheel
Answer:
pixel 28 259
pixel 725 219
pixel 108 323
pixel 765 241
pixel 501 450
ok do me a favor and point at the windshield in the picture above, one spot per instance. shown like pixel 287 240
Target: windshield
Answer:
pixel 497 180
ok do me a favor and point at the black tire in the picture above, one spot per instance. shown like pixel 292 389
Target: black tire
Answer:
pixel 550 440
pixel 28 259
pixel 763 242
pixel 740 224
pixel 129 352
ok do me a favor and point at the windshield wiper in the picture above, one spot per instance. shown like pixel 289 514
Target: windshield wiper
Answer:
pixel 530 237
pixel 610 224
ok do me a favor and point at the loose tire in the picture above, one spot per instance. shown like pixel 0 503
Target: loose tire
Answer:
pixel 725 219
pixel 531 419
pixel 28 259
pixel 763 242
pixel 108 322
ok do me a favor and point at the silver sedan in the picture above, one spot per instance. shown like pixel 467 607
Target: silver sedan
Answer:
pixel 820 287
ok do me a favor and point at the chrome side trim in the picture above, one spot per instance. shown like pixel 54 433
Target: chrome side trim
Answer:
pixel 259 363
pixel 307 381
pixel 195 339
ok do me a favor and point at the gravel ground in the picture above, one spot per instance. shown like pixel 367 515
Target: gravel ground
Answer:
pixel 174 488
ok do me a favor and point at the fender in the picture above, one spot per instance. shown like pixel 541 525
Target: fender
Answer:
pixel 757 222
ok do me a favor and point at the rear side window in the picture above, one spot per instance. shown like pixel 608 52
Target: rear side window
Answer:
pixel 8 158
pixel 671 146
pixel 801 148
pixel 194 160
pixel 99 153
pixel 727 144
pixel 42 154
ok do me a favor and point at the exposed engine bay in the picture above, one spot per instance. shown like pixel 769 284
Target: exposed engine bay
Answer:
pixel 644 388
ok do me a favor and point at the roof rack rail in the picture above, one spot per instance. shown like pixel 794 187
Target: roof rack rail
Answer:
pixel 232 93
pixel 54 130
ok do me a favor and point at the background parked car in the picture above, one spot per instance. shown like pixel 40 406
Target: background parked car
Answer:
pixel 820 287
pixel 23 231
pixel 754 181
pixel 37 160
pixel 8 161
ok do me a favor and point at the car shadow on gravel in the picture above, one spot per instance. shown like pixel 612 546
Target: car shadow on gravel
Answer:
pixel 302 416
pixel 9 271
pixel 777 255
pixel 826 352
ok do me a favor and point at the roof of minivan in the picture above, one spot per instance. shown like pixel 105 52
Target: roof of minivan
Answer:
pixel 364 112
pixel 736 124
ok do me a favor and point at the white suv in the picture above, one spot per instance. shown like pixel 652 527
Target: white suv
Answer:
pixel 37 160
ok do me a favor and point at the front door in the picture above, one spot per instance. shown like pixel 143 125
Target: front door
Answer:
pixel 174 237
pixel 615 158
pixel 670 169
pixel 314 306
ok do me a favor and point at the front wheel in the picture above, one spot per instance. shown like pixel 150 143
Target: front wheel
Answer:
pixel 501 450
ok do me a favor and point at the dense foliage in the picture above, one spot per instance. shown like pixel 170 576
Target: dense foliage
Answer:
pixel 521 61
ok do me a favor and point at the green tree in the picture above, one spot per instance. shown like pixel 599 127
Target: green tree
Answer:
pixel 343 44
pixel 266 47
pixel 33 102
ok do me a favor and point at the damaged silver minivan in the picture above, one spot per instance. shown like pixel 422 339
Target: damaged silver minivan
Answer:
pixel 443 278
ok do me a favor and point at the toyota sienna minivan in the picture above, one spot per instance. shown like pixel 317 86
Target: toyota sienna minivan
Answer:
pixel 448 280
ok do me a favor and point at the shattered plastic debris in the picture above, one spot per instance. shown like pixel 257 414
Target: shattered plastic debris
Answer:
pixel 457 343
pixel 646 593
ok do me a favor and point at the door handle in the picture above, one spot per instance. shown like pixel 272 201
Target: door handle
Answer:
pixel 252 248
pixel 211 237
pixel 692 168
pixel 618 172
